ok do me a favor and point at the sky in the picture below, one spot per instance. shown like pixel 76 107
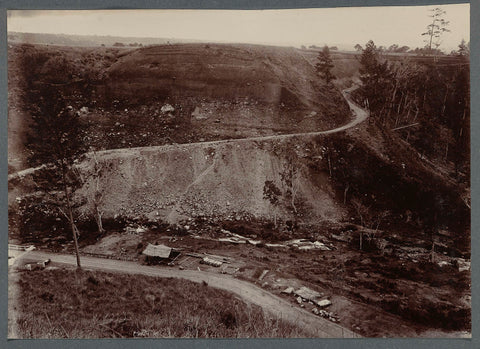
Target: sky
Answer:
pixel 343 27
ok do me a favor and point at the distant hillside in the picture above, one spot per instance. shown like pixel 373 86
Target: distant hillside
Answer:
pixel 86 40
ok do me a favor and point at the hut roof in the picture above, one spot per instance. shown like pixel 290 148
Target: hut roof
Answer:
pixel 161 251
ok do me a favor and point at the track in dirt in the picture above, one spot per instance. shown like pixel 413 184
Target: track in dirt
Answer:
pixel 272 304
pixel 360 116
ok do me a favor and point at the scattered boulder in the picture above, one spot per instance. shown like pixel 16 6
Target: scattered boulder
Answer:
pixel 167 108
pixel 324 303
pixel 288 290
pixel 198 115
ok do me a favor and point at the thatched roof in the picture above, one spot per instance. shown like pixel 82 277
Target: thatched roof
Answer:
pixel 161 251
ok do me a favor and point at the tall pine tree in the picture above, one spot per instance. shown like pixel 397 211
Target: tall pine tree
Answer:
pixel 325 65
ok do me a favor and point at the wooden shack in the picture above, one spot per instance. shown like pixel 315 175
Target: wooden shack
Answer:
pixel 160 254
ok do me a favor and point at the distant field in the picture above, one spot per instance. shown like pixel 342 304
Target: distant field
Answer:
pixel 105 305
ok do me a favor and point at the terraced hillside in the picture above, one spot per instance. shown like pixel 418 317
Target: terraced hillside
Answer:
pixel 229 90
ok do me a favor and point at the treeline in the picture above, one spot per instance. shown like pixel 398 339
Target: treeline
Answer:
pixel 395 48
pixel 426 102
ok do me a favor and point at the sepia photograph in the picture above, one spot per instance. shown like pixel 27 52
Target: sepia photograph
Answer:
pixel 287 173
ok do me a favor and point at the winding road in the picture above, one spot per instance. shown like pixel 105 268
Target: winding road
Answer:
pixel 360 115
pixel 317 326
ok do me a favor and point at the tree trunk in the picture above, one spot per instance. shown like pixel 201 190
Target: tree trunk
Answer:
pixel 329 166
pixel 416 114
pixel 444 102
pixel 345 194
pixel 408 114
pixel 392 101
pixel 70 214
pixel 98 219
pixel 97 196
pixel 400 104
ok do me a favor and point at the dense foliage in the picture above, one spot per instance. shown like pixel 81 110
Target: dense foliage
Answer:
pixel 426 101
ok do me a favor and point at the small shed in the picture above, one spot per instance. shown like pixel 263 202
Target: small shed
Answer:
pixel 156 254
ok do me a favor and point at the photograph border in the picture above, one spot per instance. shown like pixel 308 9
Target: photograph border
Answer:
pixel 439 343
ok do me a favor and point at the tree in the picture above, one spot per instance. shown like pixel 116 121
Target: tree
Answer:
pixel 325 65
pixel 358 47
pixel 393 48
pixel 463 49
pixel 55 138
pixel 272 193
pixel 376 79
pixel 436 29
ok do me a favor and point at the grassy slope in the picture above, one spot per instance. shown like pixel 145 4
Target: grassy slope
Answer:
pixel 104 305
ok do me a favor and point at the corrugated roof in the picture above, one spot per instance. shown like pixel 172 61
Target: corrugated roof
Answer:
pixel 161 251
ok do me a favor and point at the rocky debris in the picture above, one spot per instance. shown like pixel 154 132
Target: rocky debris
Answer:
pixel 324 303
pixel 135 230
pixel 299 300
pixel 264 273
pixel 326 314
pixel 463 265
pixel 212 262
pixel 237 239
pixel 304 244
pixel 288 290
pixel 167 108
pixel 198 115
pixel 84 110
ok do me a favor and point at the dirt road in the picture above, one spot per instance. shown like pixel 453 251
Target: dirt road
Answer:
pixel 277 306
pixel 360 115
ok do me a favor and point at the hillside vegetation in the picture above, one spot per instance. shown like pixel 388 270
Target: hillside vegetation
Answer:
pixel 106 305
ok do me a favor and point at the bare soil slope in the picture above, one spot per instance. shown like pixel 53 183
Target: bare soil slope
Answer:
pixel 217 179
